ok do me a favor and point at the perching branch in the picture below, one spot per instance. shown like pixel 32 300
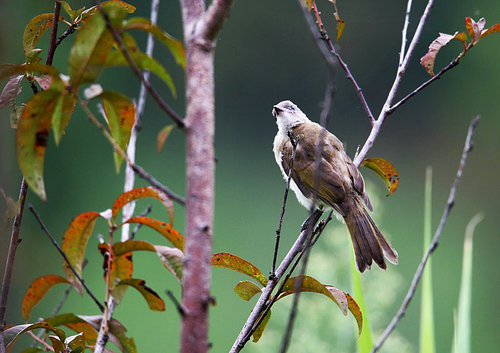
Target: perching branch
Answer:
pixel 156 96
pixel 435 240
pixel 53 36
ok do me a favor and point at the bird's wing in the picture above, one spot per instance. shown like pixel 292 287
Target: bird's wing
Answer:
pixel 357 181
pixel 331 188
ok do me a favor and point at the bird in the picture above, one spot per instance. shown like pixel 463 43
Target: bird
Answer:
pixel 340 185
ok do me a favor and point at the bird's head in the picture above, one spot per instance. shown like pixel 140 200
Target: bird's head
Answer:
pixel 288 115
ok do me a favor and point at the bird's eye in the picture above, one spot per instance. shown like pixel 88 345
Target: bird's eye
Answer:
pixel 291 107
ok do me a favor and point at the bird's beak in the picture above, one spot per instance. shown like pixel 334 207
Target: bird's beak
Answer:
pixel 276 110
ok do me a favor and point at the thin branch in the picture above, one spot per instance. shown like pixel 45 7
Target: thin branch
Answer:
pixel 405 32
pixel 156 96
pixel 297 247
pixel 128 209
pixel 178 305
pixel 70 30
pixel 435 240
pixel 137 169
pixel 47 346
pixel 9 264
pixel 53 35
pixel 54 242
pixel 139 225
pixel 437 76
pixel 103 336
pixel 386 110
pixel 283 207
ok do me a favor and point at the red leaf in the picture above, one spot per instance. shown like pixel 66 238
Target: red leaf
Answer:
pixel 31 139
pixel 74 244
pixel 429 59
pixel 37 291
pixel 233 262
pixel 139 193
pixel 385 170
pixel 163 228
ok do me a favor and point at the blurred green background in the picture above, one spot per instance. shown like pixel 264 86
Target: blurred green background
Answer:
pixel 265 54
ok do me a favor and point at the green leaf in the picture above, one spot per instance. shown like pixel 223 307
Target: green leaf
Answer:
pixel 11 334
pixel 246 290
pixel 152 298
pixel 120 113
pixel 92 46
pixel 139 193
pixel 124 247
pixel 62 113
pixel 235 263
pixel 462 339
pixel 427 339
pixel 76 342
pixel 163 228
pixel 76 324
pixel 262 326
pixel 31 139
pixel 142 60
pixel 385 170
pixel 365 340
pixel 37 291
pixel 73 14
pixel 170 42
pixel 32 33
pixel 57 344
pixel 74 244
pixel 117 333
pixel 172 259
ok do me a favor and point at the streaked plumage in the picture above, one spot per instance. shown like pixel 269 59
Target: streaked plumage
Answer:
pixel 340 184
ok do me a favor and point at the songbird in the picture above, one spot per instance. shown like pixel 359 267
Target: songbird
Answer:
pixel 339 184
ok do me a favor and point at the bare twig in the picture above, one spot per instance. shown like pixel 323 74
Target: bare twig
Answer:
pixel 53 36
pixel 54 242
pixel 136 168
pixel 386 110
pixel 47 346
pixel 9 264
pixel 128 209
pixel 156 96
pixel 103 335
pixel 139 225
pixel 405 32
pixel 178 305
pixel 70 30
pixel 434 243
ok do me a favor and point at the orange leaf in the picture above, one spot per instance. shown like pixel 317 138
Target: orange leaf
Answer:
pixel 492 29
pixel 474 28
pixel 148 191
pixel 356 312
pixel 74 244
pixel 37 291
pixel 233 262
pixel 163 135
pixel 163 228
pixel 385 170
pixel 152 298
pixel 121 248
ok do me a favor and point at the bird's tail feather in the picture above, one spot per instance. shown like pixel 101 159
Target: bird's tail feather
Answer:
pixel 368 242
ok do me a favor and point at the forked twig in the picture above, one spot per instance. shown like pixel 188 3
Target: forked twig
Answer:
pixel 434 243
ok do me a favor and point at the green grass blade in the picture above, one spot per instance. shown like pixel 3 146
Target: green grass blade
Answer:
pixel 461 341
pixel 427 339
pixel 365 341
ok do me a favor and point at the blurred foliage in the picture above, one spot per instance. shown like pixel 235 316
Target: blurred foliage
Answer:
pixel 264 55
